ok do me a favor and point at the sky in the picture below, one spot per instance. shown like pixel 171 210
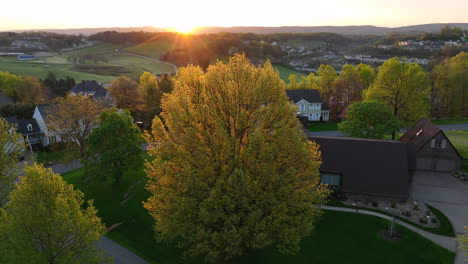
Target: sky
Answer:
pixel 186 14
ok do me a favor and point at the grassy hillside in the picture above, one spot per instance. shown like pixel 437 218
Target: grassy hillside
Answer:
pixel 153 49
pixel 101 63
pixel 285 72
pixel 460 140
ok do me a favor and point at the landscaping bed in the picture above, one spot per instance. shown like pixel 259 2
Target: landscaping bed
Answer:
pixel 441 225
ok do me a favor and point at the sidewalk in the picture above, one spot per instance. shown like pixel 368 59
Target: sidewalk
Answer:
pixel 446 242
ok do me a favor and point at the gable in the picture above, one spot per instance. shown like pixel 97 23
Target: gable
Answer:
pixel 446 150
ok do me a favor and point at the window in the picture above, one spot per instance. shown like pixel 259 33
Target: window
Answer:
pixel 311 107
pixel 331 179
pixel 438 143
pixel 302 106
pixel 30 127
pixel 317 116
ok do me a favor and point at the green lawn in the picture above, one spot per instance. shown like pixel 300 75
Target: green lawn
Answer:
pixel 153 49
pixel 327 126
pixel 354 238
pixel 450 121
pixel 339 237
pixel 460 140
pixel 57 156
pixel 285 72
pixel 109 65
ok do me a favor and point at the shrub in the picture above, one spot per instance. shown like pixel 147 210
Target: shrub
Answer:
pixel 434 220
pixel 428 212
pixel 422 220
pixel 393 204
pixel 406 213
pixel 416 207
pixel 375 204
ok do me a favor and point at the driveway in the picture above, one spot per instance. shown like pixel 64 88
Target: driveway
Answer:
pixel 446 193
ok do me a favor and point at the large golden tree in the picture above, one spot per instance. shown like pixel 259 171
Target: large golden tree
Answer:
pixel 231 169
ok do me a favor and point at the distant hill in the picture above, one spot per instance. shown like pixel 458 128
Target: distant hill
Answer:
pixel 345 30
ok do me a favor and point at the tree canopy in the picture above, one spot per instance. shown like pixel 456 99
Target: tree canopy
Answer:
pixel 12 144
pixel 231 170
pixel 369 119
pixel 73 118
pixel 125 93
pixel 46 221
pixel 118 142
pixel 402 86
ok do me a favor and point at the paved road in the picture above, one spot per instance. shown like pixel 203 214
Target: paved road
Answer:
pixel 339 134
pixel 174 67
pixel 443 241
pixel 446 193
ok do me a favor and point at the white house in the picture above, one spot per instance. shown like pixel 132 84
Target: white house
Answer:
pixel 310 104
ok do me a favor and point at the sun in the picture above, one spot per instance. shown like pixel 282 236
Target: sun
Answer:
pixel 185 29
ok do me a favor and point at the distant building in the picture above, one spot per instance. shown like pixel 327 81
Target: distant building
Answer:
pixel 5 100
pixel 30 130
pixel 89 88
pixel 26 57
pixel 309 104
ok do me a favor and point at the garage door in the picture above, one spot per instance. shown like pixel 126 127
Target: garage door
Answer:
pixel 424 164
pixel 437 164
pixel 446 165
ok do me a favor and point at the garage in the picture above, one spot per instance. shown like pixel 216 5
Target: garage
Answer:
pixel 440 165
pixel 431 147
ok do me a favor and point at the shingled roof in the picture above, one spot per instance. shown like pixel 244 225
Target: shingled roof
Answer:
pixel 88 87
pixel 420 133
pixel 4 100
pixel 368 166
pixel 22 125
pixel 310 95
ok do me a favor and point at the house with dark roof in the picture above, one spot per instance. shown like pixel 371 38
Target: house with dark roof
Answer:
pixel 309 104
pixel 5 100
pixel 366 166
pixel 29 129
pixel 89 88
pixel 433 149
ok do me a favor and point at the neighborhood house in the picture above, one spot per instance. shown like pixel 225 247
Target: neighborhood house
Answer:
pixel 309 104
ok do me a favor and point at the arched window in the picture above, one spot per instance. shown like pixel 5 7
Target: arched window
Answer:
pixel 30 127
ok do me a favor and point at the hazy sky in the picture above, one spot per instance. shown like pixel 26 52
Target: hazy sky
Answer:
pixel 33 14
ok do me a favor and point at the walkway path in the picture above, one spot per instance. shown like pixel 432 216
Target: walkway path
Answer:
pixel 174 67
pixel 443 241
pixel 339 134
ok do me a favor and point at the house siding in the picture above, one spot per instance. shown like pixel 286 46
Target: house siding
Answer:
pixel 313 110
pixel 441 159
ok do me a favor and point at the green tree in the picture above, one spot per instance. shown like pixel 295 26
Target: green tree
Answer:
pixel 326 75
pixel 369 119
pixel 150 94
pixel 367 74
pixel 30 91
pixel 450 87
pixel 46 221
pixel 402 86
pixel 125 93
pixel 231 169
pixel 118 142
pixel 11 145
pixel 8 82
pixel 463 240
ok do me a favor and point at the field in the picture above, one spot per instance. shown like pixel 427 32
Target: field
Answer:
pixel 285 72
pixel 153 49
pixel 355 237
pixel 101 63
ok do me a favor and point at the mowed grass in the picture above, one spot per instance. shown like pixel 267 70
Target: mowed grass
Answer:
pixel 41 70
pixel 450 121
pixel 110 65
pixel 153 49
pixel 338 237
pixel 325 126
pixel 285 72
pixel 57 156
pixel 460 140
